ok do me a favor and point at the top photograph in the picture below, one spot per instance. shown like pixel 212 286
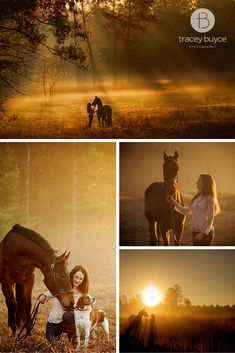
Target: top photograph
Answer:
pixel 117 69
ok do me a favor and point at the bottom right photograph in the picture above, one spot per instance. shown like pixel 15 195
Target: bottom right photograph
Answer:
pixel 177 300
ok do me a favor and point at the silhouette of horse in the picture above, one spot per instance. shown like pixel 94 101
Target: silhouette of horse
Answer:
pixel 104 113
pixel 134 323
pixel 21 251
pixel 160 214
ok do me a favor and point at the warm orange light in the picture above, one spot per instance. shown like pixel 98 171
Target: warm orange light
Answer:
pixel 151 296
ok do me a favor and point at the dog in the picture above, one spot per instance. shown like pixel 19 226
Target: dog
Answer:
pixel 87 319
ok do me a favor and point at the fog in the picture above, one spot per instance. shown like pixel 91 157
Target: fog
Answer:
pixel 141 164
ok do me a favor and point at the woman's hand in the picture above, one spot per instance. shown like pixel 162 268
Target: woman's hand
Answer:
pixel 199 236
pixel 42 298
pixel 170 199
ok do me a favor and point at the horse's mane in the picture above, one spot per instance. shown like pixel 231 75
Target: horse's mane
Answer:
pixel 34 237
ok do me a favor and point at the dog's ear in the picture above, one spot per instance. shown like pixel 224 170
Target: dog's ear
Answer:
pixel 93 300
pixel 80 304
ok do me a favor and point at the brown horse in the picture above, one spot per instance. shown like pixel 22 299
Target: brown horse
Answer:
pixel 21 252
pixel 104 113
pixel 160 214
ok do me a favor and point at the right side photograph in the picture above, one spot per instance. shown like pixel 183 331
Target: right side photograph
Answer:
pixel 177 194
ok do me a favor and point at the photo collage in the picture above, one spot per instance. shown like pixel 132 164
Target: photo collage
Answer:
pixel 117 145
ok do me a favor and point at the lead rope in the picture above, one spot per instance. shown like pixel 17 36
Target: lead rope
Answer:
pixel 30 324
pixel 173 229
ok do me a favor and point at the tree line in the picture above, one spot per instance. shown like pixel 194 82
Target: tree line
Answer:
pixel 175 303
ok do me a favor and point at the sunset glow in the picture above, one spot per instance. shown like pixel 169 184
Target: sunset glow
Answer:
pixel 151 296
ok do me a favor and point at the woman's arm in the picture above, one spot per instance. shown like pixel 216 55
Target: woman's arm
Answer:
pixel 182 209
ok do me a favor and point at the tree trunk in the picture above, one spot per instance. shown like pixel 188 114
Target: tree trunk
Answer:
pixel 27 186
pixel 74 201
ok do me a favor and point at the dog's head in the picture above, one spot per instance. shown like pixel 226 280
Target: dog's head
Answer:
pixel 84 302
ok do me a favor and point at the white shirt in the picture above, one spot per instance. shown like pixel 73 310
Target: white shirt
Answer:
pixel 202 212
pixel 56 313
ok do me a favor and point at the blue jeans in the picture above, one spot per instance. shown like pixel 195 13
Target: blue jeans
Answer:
pixel 206 240
pixel 54 331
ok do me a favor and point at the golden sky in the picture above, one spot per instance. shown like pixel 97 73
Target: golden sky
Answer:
pixel 141 165
pixel 206 276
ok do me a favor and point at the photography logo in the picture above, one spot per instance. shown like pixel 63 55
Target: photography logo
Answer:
pixel 202 20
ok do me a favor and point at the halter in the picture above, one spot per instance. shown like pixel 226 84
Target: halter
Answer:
pixel 52 274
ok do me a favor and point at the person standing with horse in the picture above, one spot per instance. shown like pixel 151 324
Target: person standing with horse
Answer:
pixel 203 208
pixel 59 320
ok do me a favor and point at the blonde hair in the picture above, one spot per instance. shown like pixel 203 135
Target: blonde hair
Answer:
pixel 209 189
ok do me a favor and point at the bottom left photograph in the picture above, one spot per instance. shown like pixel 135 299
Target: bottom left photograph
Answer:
pixel 57 220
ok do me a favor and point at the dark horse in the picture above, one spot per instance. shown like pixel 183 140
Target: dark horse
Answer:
pixel 104 112
pixel 21 252
pixel 160 214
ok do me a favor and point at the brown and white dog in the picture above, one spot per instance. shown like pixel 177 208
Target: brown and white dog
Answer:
pixel 87 319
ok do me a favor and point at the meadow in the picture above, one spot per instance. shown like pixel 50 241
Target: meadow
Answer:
pixel 166 112
pixel 183 334
pixel 134 226
pixel 37 342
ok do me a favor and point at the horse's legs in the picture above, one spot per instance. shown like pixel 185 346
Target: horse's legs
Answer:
pixel 177 234
pixel 152 232
pixel 99 121
pixel 20 300
pixel 8 292
pixel 166 238
pixel 28 288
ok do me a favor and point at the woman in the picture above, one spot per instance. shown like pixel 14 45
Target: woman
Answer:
pixel 204 206
pixel 55 325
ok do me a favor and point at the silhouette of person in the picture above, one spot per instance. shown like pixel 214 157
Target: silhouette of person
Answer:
pixel 152 340
pixel 90 113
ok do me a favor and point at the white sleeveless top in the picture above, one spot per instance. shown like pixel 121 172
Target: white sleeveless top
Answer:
pixel 56 313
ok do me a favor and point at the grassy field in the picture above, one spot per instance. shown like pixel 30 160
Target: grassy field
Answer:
pixel 182 334
pixel 134 226
pixel 37 342
pixel 136 114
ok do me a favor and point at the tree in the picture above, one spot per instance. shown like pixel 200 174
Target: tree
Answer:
pixel 9 188
pixel 25 27
pixel 126 18
pixel 174 296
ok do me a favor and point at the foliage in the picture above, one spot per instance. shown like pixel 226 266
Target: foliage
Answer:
pixel 174 296
pixel 9 188
pixel 27 25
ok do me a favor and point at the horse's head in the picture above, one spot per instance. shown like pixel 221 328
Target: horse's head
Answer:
pixel 144 312
pixel 171 171
pixel 96 101
pixel 58 282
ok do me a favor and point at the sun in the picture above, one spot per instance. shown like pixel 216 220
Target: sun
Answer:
pixel 151 296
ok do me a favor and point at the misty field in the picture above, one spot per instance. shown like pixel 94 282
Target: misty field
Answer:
pixel 134 226
pixel 183 334
pixel 37 342
pixel 169 112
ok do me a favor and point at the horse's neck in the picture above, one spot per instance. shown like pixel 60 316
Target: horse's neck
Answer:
pixel 140 315
pixel 37 256
pixel 100 105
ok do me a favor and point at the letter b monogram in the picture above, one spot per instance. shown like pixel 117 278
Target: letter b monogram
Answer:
pixel 202 20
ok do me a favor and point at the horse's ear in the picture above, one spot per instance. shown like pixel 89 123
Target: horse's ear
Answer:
pixel 61 257
pixel 176 155
pixel 67 256
pixel 165 154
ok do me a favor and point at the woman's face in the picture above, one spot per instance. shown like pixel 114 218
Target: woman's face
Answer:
pixel 78 278
pixel 200 184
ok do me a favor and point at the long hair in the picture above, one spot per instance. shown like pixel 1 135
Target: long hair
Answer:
pixel 209 189
pixel 84 286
